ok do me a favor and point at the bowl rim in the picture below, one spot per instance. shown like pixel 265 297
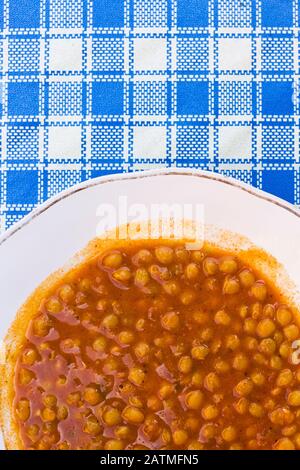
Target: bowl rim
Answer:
pixel 194 172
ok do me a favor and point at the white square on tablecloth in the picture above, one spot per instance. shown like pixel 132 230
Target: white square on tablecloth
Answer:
pixel 149 142
pixel 65 54
pixel 150 54
pixel 234 54
pixel 64 142
pixel 235 142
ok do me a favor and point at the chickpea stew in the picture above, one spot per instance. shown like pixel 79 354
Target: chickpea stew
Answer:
pixel 153 346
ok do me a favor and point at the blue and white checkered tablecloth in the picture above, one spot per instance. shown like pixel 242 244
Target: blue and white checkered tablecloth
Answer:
pixel 92 87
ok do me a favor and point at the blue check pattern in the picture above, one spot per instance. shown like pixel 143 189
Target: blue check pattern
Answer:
pixel 94 87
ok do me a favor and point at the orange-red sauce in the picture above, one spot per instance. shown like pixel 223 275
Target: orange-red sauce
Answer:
pixel 154 346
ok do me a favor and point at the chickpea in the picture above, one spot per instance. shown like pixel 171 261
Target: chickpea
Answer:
pixel 251 431
pixel 92 395
pixel 207 334
pixel 236 446
pixel 92 426
pixel 170 321
pixel 200 317
pixel 50 401
pixel 193 400
pixel 209 412
pixel 142 350
pixel 153 403
pixel 195 445
pixel 297 440
pixel 243 311
pixel 112 416
pixel 228 265
pixel 142 257
pixel 192 272
pixel 122 432
pixel 269 404
pixel 41 325
pixel 207 432
pixel 284 444
pixel 53 306
pixel 222 318
pixel 25 376
pixel 229 434
pixel 241 406
pixel 32 432
pixel 67 293
pixel 136 401
pixel 212 382
pixel 240 362
pixel 197 379
pixel 281 416
pixel 102 305
pixel 180 437
pixel 114 444
pixel 164 254
pixel 278 337
pixel 265 328
pixel 85 285
pixel 232 342
pixel 185 364
pixel 276 362
pixel 122 274
pixel 253 444
pixel 113 260
pixel 23 409
pixel 199 352
pixel 171 288
pixel 216 345
pixel 256 410
pixel 140 324
pixel 283 315
pixel 192 424
pixel 291 332
pixel 136 376
pixel 247 278
pixel 133 415
pixel 267 346
pixel 244 387
pixel 45 442
pixel 110 322
pixel 100 344
pixel 285 349
pixel 250 343
pixel 187 297
pixel 258 378
pixel 210 266
pixel 221 366
pixel 126 337
pixel 73 399
pixel 293 398
pixel 250 326
pixel 256 310
pixel 29 357
pixel 165 391
pixel 141 277
pixel 231 286
pixel 48 414
pixel 197 256
pixel 182 255
pixel 259 291
pixel 289 430
pixel 62 413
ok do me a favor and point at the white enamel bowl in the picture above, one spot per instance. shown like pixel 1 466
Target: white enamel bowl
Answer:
pixel 47 238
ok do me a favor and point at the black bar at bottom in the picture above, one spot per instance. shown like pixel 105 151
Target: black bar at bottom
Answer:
pixel 137 459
